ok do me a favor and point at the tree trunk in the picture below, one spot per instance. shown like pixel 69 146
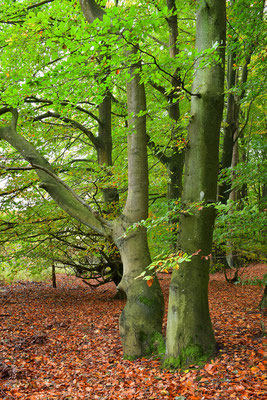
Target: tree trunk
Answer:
pixel 175 162
pixel 189 331
pixel 231 133
pixel 142 317
pixel 263 302
pixel 230 128
pixel 104 151
pixel 54 278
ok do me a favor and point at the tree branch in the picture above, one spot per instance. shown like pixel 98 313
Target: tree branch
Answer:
pixel 180 83
pixel 157 152
pixel 33 99
pixel 62 194
pixel 89 134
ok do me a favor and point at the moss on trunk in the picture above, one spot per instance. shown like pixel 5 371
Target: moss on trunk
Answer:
pixel 141 319
pixel 189 330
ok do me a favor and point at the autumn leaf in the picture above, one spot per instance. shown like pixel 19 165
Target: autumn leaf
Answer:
pixel 73 363
pixel 210 368
pixel 150 282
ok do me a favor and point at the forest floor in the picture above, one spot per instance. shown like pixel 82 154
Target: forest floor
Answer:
pixel 64 344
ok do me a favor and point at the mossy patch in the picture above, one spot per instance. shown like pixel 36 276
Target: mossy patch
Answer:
pixel 157 344
pixel 153 343
pixel 129 358
pixel 192 354
pixel 145 300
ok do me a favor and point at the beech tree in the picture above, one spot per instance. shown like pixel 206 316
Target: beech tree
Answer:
pixel 142 316
pixel 189 330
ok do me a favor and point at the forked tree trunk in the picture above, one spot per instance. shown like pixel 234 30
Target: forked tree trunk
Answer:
pixel 189 330
pixel 142 317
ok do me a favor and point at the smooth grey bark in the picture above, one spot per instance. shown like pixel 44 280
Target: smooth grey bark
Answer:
pixel 189 330
pixel 104 149
pixel 142 317
pixel 143 313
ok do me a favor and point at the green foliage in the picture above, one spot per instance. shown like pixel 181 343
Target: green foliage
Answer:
pixel 24 269
pixel 253 281
pixel 66 66
pixel 241 231
pixel 164 264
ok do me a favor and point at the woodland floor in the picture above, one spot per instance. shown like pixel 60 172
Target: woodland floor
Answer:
pixel 64 344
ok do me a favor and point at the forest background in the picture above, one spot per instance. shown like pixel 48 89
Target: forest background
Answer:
pixel 69 82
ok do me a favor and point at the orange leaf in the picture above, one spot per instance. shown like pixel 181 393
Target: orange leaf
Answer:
pixel 261 366
pixel 210 368
pixel 150 282
pixel 239 387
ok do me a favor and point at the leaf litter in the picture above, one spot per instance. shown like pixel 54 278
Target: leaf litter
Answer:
pixel 64 344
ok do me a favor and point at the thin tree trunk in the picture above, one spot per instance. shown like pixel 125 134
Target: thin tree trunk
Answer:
pixel 230 128
pixel 263 302
pixel 175 162
pixel 189 330
pixel 54 278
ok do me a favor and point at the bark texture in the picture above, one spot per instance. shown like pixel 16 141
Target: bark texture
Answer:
pixel 142 317
pixel 175 162
pixel 189 330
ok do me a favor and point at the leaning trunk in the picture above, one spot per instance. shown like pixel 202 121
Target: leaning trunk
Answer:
pixel 189 330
